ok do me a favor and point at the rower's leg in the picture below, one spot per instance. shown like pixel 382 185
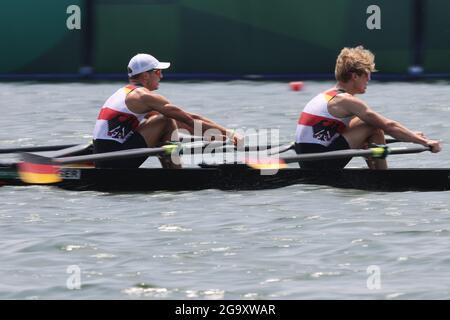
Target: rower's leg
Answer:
pixel 157 130
pixel 174 136
pixel 359 134
pixel 377 137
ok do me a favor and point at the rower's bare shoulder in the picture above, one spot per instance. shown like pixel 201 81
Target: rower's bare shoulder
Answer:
pixel 145 97
pixel 341 97
pixel 151 97
pixel 346 100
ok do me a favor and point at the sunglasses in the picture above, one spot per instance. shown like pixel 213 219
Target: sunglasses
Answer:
pixel 157 71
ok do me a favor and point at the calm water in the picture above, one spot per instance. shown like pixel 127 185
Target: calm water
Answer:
pixel 298 242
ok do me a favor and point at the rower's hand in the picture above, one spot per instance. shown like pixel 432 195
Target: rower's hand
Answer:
pixel 435 145
pixel 237 139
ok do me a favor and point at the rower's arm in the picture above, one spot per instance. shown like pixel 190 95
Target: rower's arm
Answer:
pixel 191 120
pixel 357 107
pixel 210 122
pixel 202 118
pixel 158 103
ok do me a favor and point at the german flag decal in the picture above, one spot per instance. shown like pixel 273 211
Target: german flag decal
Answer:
pixel 38 170
pixel 330 94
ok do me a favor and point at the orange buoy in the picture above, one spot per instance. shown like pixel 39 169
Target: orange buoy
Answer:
pixel 296 85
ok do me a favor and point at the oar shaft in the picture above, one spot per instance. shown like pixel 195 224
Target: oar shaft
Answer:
pixel 328 155
pixel 135 153
pixel 114 155
pixel 257 147
pixel 372 152
pixel 36 149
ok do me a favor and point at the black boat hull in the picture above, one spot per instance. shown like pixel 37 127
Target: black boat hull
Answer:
pixel 240 177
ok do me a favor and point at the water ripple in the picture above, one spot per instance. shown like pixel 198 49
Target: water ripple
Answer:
pixel 297 242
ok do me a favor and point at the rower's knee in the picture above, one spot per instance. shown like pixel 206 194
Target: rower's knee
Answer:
pixel 162 122
pixel 167 122
pixel 157 129
pixel 161 119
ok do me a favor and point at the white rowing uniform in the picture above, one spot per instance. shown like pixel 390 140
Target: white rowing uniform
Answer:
pixel 316 125
pixel 115 121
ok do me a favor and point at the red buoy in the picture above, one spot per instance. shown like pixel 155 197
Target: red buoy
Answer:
pixel 296 85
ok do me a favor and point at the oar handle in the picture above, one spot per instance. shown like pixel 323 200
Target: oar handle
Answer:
pixel 406 150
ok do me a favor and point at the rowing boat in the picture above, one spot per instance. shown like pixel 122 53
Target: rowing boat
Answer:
pixel 62 169
pixel 238 177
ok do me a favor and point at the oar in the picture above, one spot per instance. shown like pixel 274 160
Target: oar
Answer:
pixel 226 146
pixel 36 148
pixel 39 169
pixel 291 145
pixel 284 147
pixel 376 152
pixel 281 148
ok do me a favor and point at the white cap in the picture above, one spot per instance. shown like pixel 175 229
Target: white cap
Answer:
pixel 144 62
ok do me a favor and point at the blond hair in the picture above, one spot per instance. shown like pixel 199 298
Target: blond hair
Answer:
pixel 358 60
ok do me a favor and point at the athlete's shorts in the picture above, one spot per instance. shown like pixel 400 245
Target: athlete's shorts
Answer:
pixel 103 145
pixel 339 143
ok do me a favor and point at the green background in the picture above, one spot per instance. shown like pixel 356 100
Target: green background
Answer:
pixel 219 36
